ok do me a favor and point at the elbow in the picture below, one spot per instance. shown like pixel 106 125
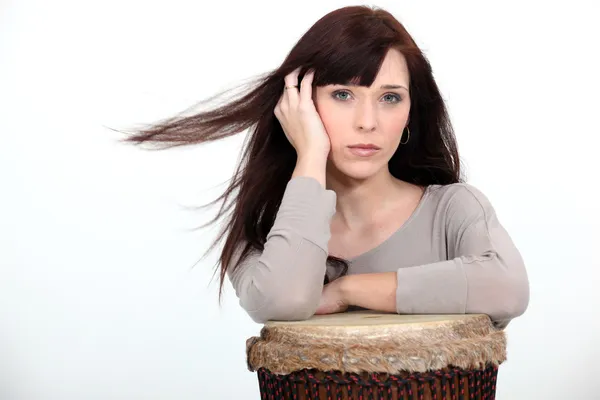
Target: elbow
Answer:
pixel 516 299
pixel 516 290
pixel 284 309
pixel 285 303
pixel 512 298
pixel 279 297
pixel 503 295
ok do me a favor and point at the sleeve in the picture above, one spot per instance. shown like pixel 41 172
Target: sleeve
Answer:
pixel 484 274
pixel 285 280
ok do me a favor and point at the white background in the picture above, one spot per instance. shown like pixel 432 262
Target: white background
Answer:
pixel 97 297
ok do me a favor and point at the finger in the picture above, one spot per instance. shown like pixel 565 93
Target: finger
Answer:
pixel 277 109
pixel 280 117
pixel 283 103
pixel 306 86
pixel 292 78
pixel 291 94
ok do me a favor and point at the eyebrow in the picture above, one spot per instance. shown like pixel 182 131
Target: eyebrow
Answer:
pixel 387 86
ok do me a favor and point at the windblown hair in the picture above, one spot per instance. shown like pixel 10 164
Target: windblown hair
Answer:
pixel 346 45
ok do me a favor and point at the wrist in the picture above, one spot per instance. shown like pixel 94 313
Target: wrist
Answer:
pixel 311 160
pixel 346 289
pixel 311 166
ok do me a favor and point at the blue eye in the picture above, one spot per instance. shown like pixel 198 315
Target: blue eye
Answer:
pixel 335 95
pixel 393 96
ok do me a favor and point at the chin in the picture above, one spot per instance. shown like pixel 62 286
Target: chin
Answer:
pixel 359 170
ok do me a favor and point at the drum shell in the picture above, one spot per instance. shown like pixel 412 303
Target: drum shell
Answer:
pixel 446 384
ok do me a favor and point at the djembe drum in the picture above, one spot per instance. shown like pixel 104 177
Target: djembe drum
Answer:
pixel 366 355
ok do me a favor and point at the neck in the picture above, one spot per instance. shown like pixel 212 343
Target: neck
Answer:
pixel 359 202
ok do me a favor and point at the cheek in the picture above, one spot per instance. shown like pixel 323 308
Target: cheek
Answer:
pixel 333 121
pixel 394 131
pixel 393 127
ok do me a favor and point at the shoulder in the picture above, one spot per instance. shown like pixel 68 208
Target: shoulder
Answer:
pixel 460 201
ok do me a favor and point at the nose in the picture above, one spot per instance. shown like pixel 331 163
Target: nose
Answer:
pixel 365 117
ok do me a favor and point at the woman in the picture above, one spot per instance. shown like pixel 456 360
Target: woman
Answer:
pixel 349 192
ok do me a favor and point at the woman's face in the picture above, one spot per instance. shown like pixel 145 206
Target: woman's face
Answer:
pixel 357 118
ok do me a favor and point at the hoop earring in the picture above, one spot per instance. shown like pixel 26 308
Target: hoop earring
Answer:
pixel 407 138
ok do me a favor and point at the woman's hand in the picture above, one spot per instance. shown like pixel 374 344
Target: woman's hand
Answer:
pixel 300 120
pixel 333 298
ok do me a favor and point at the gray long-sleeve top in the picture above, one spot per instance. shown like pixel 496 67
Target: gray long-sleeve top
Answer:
pixel 452 256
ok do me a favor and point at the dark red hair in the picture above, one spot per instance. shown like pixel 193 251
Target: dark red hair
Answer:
pixel 346 45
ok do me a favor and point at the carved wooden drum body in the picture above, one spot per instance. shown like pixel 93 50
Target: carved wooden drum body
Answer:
pixel 366 355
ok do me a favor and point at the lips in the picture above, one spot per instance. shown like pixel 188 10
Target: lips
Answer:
pixel 364 146
pixel 363 150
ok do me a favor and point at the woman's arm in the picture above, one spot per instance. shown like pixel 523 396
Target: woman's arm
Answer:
pixel 485 273
pixel 285 281
pixel 374 291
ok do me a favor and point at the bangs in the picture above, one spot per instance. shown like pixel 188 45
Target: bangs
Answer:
pixel 351 64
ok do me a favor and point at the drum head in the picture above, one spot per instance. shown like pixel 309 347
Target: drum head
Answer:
pixel 365 341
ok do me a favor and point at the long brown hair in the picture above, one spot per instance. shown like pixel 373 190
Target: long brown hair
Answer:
pixel 346 45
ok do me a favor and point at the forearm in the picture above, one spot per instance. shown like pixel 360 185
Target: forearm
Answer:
pixel 277 283
pixel 376 291
pixel 485 284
